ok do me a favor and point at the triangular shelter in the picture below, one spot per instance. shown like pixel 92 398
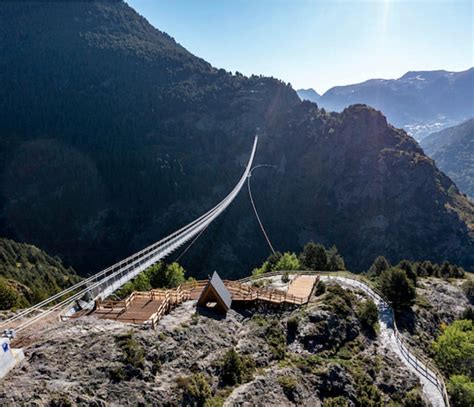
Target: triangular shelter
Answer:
pixel 216 292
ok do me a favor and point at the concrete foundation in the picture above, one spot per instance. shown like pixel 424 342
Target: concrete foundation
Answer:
pixel 9 358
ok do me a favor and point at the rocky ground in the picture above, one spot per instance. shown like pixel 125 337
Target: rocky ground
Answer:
pixel 318 354
pixel 439 302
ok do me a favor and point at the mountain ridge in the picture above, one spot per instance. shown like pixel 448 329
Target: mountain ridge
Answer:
pixel 419 101
pixel 121 137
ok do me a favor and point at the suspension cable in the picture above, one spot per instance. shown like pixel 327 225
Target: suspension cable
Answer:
pixel 255 208
pixel 192 242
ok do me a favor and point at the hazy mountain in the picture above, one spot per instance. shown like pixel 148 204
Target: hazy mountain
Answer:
pixel 113 135
pixel 453 151
pixel 420 102
pixel 308 94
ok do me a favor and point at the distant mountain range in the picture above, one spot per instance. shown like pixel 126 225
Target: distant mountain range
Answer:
pixel 420 101
pixel 309 94
pixel 453 151
pixel 112 135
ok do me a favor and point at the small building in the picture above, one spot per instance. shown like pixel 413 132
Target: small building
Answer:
pixel 215 294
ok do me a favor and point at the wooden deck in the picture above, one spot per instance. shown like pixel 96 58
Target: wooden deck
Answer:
pixel 302 286
pixel 149 307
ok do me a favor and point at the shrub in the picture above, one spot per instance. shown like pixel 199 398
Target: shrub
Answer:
pixel 133 351
pixel 289 385
pixel 117 374
pixel 236 369
pixel 285 277
pixel 454 348
pixel 461 391
pixel 320 288
pixel 196 389
pixel 273 259
pixel 368 314
pixel 468 313
pixel 288 261
pixel 276 339
pixel 397 288
pixel 335 402
pixel 292 324
pixel 468 288
pixel 413 399
pixel 379 265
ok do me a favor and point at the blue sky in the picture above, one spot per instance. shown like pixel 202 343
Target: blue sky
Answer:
pixel 320 43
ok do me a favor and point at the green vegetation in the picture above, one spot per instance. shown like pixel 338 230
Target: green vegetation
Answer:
pixel 468 288
pixel 335 402
pixel 236 369
pixel 134 353
pixel 313 257
pixel 196 389
pixel 397 288
pixel 461 391
pixel 289 385
pixel 454 348
pixel 289 261
pixel 275 336
pixel 28 275
pixel 368 313
pixel 317 257
pixel 417 269
pixel 276 262
pixel 379 265
pixel 454 353
pixel 159 275
pixel 9 296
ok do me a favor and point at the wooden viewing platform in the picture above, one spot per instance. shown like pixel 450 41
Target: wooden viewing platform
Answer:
pixel 149 307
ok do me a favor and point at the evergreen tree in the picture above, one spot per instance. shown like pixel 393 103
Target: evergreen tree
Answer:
pixel 397 288
pixel 314 257
pixel 335 260
pixel 379 265
pixel 407 266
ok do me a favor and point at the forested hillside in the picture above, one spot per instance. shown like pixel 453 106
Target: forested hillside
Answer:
pixel 113 135
pixel 29 275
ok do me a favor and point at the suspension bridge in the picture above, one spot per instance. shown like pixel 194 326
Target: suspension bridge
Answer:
pixel 85 294
pixel 101 285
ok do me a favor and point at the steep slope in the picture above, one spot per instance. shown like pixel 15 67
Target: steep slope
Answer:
pixel 308 94
pixel 420 102
pixel 31 273
pixel 113 135
pixel 453 151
